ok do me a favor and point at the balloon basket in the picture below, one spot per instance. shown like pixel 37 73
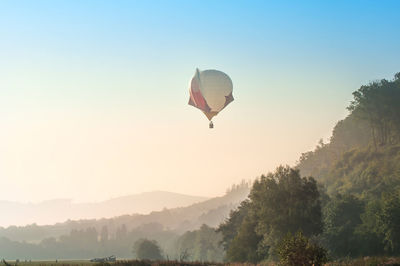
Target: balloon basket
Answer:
pixel 211 125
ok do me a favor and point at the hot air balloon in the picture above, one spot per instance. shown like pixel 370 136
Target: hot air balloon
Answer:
pixel 210 91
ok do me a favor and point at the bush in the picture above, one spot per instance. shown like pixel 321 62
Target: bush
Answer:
pixel 298 250
pixel 145 249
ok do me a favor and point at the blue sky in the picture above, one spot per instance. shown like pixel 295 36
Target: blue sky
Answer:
pixel 76 76
pixel 261 40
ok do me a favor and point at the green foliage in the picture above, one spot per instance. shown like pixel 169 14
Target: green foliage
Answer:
pixel 363 155
pixel 362 163
pixel 278 203
pixel 147 249
pixel 341 218
pixel 369 231
pixel 350 133
pixel 230 228
pixel 285 202
pixel 366 172
pixel 378 103
pixel 360 169
pixel 244 246
pixel 299 250
pixel 359 228
pixel 389 219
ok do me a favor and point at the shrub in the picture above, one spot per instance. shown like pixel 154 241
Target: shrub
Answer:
pixel 298 250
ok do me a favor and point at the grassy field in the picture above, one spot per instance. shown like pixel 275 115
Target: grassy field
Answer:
pixel 117 263
pixel 366 261
pixel 49 263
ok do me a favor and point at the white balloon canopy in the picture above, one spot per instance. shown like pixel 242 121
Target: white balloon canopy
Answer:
pixel 210 91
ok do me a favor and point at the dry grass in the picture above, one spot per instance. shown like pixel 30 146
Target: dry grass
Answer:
pixel 365 261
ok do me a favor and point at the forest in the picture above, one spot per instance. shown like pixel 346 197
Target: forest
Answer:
pixel 184 232
pixel 341 200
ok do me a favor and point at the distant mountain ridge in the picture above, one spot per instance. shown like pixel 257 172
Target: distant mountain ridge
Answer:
pixel 60 210
pixel 178 220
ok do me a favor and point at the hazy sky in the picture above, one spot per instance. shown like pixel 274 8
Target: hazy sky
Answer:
pixel 93 94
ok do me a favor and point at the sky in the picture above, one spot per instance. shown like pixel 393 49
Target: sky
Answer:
pixel 93 94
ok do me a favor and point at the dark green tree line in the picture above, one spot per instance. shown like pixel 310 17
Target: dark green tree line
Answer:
pixel 279 203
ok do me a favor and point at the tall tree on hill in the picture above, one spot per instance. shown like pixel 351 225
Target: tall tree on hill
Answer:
pixel 378 103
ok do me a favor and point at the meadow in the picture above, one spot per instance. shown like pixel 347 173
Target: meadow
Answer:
pixel 363 261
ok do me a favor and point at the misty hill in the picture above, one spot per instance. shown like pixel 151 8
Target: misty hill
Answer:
pixel 52 211
pixel 363 155
pixel 211 212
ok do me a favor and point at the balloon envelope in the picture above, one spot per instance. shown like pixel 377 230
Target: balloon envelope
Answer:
pixel 210 91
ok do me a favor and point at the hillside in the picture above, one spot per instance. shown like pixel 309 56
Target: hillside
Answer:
pixel 363 154
pixel 359 168
pixel 211 212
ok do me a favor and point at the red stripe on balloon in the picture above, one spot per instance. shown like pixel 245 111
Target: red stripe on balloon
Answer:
pixel 196 95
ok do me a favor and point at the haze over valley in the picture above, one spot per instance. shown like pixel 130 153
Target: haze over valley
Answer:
pixel 61 210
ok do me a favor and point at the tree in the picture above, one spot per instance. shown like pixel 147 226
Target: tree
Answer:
pixel 389 220
pixel 342 215
pixel 283 202
pixel 147 249
pixel 370 232
pixel 279 203
pixel 244 246
pixel 297 249
pixel 231 226
pixel 378 104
